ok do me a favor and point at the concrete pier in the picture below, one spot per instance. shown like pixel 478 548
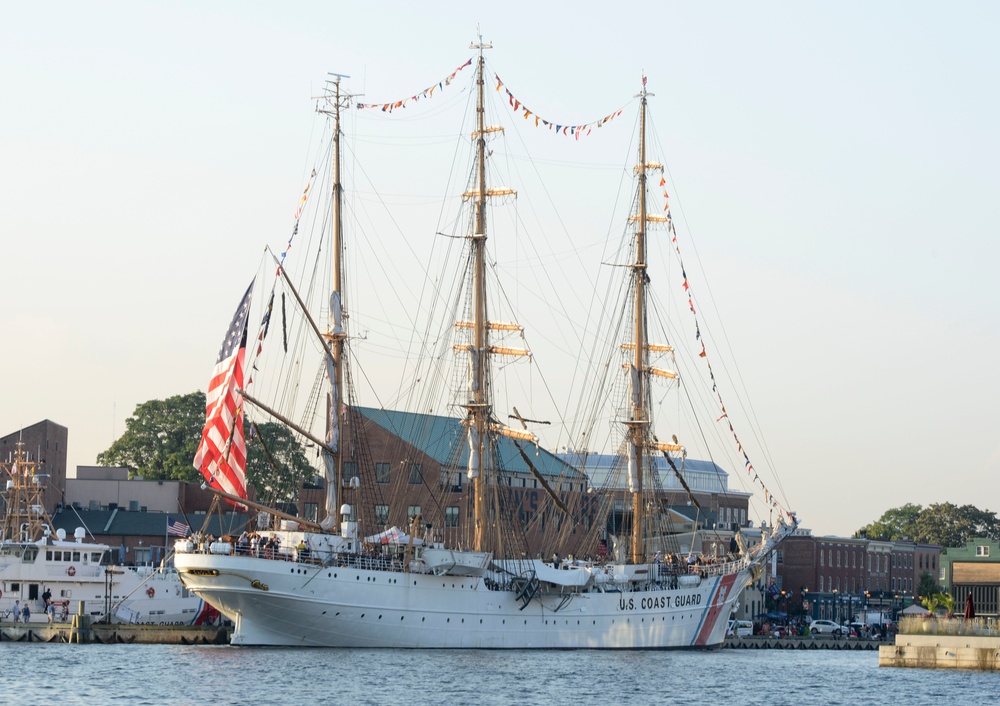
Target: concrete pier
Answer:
pixel 942 652
pixel 80 631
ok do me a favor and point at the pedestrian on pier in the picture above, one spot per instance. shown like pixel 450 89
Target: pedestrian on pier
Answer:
pixel 17 611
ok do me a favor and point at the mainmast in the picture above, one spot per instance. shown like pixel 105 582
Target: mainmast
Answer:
pixel 335 334
pixel 480 422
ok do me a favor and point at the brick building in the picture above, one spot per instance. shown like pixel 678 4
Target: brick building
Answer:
pixel 45 444
pixel 837 576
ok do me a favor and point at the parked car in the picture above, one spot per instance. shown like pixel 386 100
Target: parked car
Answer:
pixel 739 628
pixel 825 627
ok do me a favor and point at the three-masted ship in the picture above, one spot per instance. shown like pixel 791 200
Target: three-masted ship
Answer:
pixel 428 587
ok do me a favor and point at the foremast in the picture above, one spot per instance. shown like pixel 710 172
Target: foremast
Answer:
pixel 335 335
pixel 640 436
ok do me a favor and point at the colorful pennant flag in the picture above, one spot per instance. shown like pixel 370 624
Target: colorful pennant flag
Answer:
pixel 426 93
pixel 576 131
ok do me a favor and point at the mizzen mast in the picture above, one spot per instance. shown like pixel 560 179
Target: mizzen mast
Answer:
pixel 640 434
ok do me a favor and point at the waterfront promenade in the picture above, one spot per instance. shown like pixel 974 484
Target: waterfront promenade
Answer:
pixel 820 642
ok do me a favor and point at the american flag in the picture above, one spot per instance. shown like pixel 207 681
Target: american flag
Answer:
pixel 177 528
pixel 222 453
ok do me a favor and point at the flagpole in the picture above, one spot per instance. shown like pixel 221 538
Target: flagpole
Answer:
pixel 166 539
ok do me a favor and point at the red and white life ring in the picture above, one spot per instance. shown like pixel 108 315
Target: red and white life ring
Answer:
pixel 150 591
pixel 71 571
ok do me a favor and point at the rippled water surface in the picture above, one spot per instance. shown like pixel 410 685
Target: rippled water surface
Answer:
pixel 39 673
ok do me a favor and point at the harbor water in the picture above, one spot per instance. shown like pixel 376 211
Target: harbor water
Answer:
pixel 51 673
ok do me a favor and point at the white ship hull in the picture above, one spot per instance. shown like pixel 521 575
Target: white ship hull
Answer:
pixel 142 594
pixel 295 604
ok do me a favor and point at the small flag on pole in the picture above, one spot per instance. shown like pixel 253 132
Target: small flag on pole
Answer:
pixel 177 528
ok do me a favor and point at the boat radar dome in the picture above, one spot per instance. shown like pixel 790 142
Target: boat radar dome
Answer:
pixel 79 533
pixel 346 509
pixel 61 534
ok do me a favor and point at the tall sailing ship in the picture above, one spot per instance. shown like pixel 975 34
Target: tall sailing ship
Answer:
pixel 474 577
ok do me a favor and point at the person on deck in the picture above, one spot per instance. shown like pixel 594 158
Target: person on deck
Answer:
pixel 17 611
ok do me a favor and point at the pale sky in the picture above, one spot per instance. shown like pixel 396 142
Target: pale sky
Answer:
pixel 834 163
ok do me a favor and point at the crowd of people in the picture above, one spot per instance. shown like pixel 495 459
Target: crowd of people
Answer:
pixel 21 612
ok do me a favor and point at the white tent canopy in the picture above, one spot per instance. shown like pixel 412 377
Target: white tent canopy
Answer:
pixel 915 609
pixel 393 535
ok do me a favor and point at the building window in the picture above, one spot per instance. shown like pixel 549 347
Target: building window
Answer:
pixel 416 475
pixel 452 481
pixel 382 473
pixel 982 550
pixel 350 470
pixel 451 516
pixel 381 514
pixel 941 577
pixel 412 511
pixel 820 584
pixel 821 560
pixel 310 511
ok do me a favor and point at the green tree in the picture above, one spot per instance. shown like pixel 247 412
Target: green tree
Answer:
pixel 931 601
pixel 952 526
pixel 160 439
pixel 277 471
pixel 162 436
pixel 895 523
pixel 927 586
pixel 948 601
pixel 941 523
